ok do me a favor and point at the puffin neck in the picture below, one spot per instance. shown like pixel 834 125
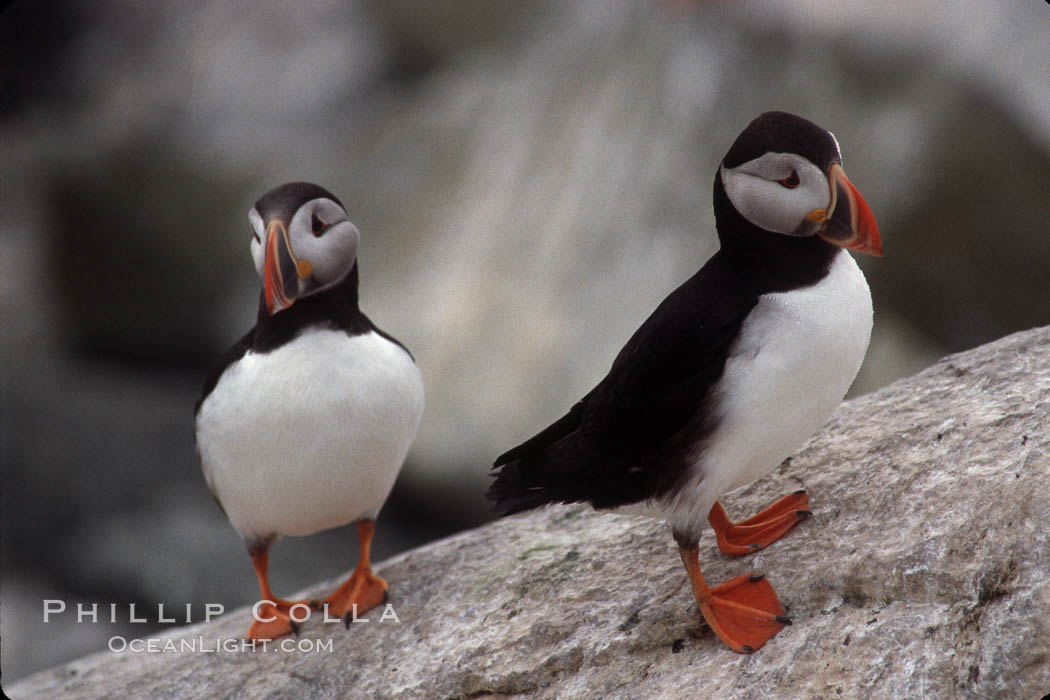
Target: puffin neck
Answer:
pixel 782 262
pixel 336 308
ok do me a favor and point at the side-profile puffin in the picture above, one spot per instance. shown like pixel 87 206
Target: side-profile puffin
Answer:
pixel 729 375
pixel 305 422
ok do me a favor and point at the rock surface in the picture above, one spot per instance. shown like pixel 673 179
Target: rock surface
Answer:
pixel 530 180
pixel 925 571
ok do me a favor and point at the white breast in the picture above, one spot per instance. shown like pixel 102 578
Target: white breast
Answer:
pixel 311 435
pixel 795 358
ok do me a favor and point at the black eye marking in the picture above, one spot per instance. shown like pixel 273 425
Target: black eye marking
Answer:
pixel 256 236
pixel 317 226
pixel 791 181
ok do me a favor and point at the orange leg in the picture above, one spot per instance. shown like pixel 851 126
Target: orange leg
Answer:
pixel 761 530
pixel 744 612
pixel 363 590
pixel 273 618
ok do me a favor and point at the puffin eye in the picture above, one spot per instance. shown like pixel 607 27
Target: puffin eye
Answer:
pixel 791 181
pixel 316 225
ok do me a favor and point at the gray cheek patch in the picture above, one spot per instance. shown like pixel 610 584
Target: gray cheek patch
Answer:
pixel 333 255
pixel 755 192
pixel 256 246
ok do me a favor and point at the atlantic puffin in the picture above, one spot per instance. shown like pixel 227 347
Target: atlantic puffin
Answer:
pixel 731 373
pixel 304 424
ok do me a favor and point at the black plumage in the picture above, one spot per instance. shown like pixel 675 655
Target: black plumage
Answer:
pixel 729 374
pixel 336 308
pixel 630 439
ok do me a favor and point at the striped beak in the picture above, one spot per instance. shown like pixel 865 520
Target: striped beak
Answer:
pixel 848 221
pixel 280 270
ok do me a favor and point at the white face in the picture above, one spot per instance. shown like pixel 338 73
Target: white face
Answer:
pixel 776 191
pixel 320 233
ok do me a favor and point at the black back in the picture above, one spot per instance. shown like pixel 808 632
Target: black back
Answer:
pixel 631 438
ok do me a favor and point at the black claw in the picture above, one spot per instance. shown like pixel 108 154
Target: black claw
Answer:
pixel 754 546
pixel 783 620
pixel 800 492
pixel 754 578
pixel 803 514
pixel 295 627
pixel 747 649
pixel 346 620
pixel 386 597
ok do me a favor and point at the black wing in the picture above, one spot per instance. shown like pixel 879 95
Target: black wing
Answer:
pixel 624 441
pixel 236 352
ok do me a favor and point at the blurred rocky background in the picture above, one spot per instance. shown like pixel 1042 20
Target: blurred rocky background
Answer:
pixel 530 180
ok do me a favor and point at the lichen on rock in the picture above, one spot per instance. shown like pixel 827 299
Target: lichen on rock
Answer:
pixel 924 571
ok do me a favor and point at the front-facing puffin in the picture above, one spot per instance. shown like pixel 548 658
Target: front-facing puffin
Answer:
pixel 305 423
pixel 729 375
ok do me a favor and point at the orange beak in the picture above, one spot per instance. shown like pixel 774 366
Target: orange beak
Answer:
pixel 848 221
pixel 280 278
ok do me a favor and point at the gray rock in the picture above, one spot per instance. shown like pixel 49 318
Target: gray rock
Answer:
pixel 923 572
pixel 529 184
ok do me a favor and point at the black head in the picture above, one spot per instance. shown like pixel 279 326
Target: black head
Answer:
pixel 781 132
pixel 302 242
pixel 282 202
pixel 781 185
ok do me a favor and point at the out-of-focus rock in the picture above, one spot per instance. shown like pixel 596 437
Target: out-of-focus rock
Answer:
pixel 564 190
pixel 924 571
pixel 126 232
pixel 529 185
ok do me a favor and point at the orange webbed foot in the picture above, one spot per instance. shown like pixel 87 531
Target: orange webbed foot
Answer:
pixel 273 617
pixel 272 622
pixel 760 530
pixel 363 590
pixel 743 612
pixel 358 594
